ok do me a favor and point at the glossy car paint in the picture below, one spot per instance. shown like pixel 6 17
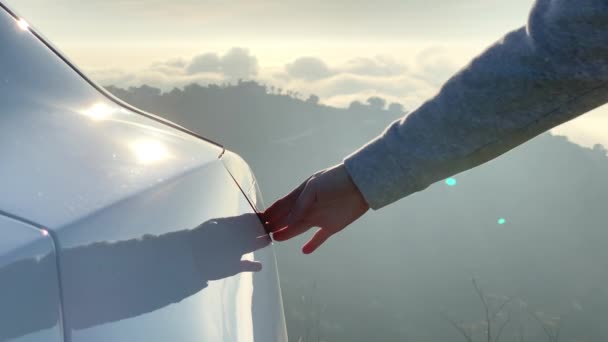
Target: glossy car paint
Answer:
pixel 29 296
pixel 243 175
pixel 178 270
pixel 154 239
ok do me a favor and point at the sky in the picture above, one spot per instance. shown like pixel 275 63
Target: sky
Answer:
pixel 340 50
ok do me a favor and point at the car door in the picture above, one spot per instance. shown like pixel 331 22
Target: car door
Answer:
pixel 30 308
pixel 185 261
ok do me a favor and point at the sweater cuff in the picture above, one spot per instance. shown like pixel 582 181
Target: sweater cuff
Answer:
pixel 378 175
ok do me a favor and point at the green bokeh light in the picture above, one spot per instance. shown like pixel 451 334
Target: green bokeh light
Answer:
pixel 450 182
pixel 502 221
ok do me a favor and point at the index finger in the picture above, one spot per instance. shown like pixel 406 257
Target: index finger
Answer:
pixel 275 217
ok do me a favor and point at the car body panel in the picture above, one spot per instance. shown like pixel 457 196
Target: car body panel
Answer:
pixel 243 175
pixel 30 307
pixel 59 127
pixel 154 238
pixel 172 263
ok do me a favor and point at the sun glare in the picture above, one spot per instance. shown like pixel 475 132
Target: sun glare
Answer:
pixel 98 111
pixel 23 24
pixel 149 151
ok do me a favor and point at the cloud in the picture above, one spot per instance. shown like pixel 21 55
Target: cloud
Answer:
pixel 159 76
pixel 364 77
pixel 379 66
pixel 338 85
pixel 177 72
pixel 308 68
pixel 587 130
pixel 312 69
pixel 239 63
pixel 209 62
pixel 341 89
pixel 435 65
pixel 236 63
pixel 357 79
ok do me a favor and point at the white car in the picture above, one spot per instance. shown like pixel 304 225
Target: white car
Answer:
pixel 116 225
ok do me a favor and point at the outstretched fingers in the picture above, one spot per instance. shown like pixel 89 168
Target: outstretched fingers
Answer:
pixel 250 266
pixel 291 231
pixel 275 217
pixel 317 240
pixel 298 220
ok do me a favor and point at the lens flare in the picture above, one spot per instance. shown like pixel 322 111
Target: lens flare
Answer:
pixel 450 182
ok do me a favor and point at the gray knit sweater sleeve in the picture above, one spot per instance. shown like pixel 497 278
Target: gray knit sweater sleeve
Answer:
pixel 535 78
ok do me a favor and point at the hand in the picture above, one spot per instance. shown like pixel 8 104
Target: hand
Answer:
pixel 328 199
pixel 218 246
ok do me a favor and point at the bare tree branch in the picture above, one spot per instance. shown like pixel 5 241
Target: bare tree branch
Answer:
pixel 486 309
pixel 502 327
pixel 552 336
pixel 467 335
pixel 502 306
pixel 558 329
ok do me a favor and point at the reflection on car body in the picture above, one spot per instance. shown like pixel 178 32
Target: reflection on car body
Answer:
pixel 116 225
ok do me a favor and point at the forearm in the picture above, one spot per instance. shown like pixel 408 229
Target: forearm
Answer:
pixel 536 78
pixel 109 281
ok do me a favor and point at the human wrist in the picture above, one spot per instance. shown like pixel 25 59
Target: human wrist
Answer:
pixel 349 185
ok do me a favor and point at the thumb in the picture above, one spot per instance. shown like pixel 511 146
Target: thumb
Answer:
pixel 303 203
pixel 250 266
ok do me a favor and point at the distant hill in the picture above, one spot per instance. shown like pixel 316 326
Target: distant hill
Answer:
pixel 392 276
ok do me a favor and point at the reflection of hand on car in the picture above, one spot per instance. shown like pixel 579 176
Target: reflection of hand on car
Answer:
pixel 219 246
pixel 109 281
